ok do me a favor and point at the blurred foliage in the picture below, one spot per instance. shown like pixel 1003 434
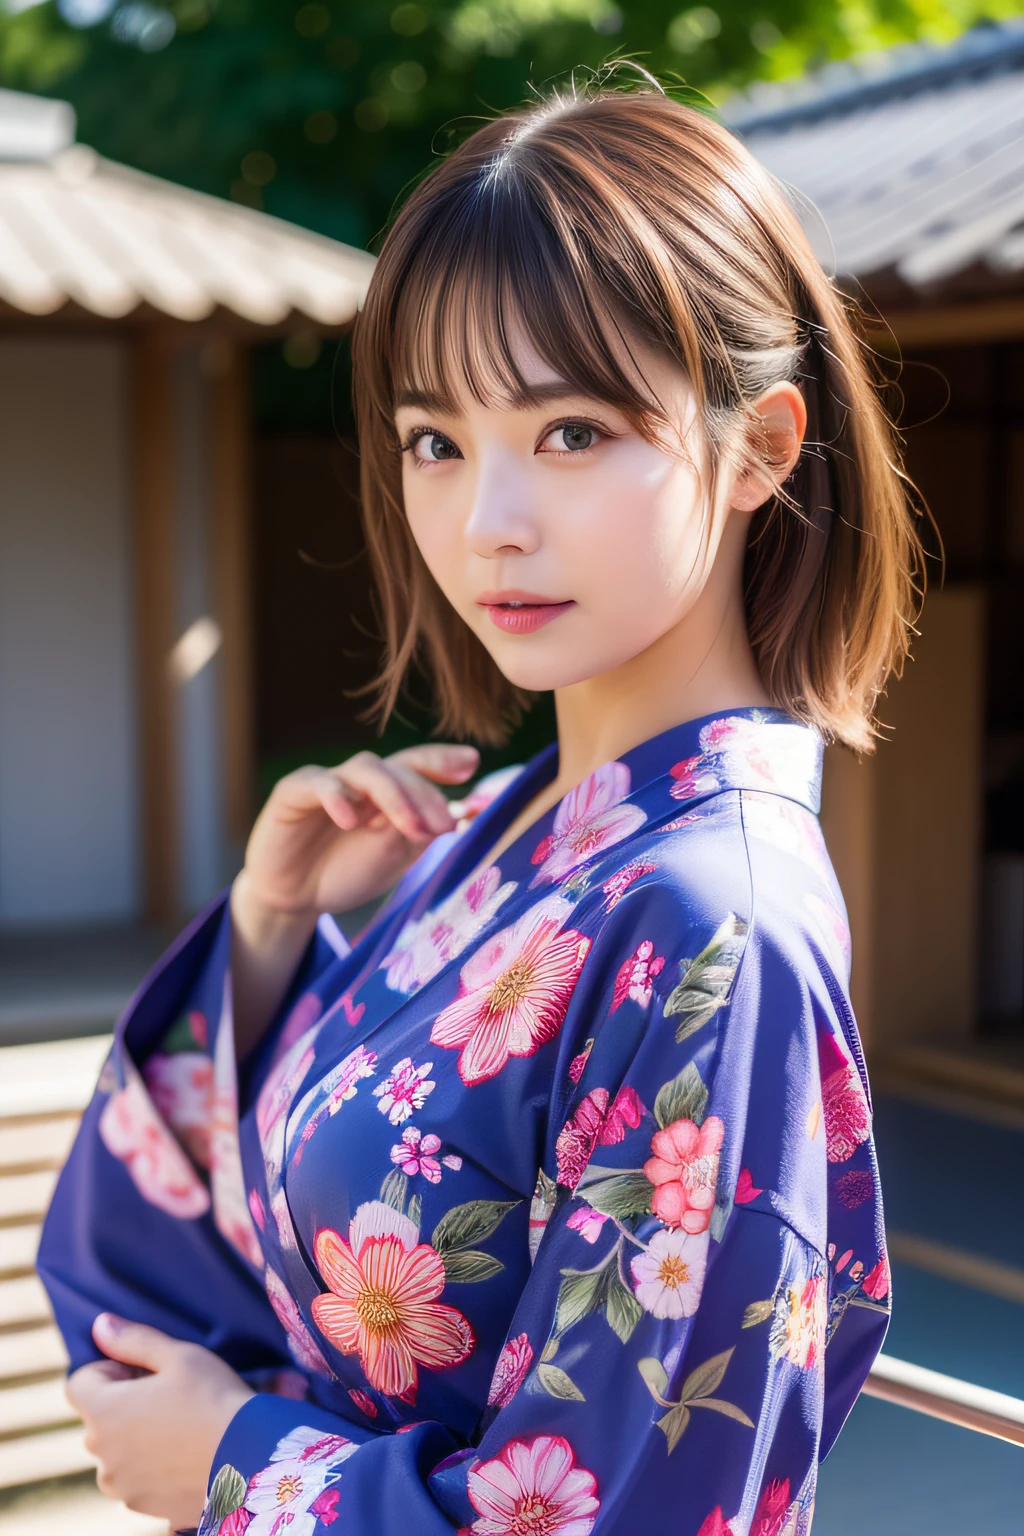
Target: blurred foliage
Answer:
pixel 322 111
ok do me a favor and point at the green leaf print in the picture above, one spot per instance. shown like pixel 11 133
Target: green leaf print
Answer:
pixel 706 1377
pixel 558 1384
pixel 684 1098
pixel 621 1308
pixel 465 1266
pixel 673 1423
pixel 394 1189
pixel 758 1312
pixel 653 1373
pixel 580 1293
pixel 228 1492
pixel 620 1195
pixel 415 1211
pixel 721 1406
pixel 470 1223
pixel 704 985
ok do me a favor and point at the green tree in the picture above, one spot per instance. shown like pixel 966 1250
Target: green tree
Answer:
pixel 321 111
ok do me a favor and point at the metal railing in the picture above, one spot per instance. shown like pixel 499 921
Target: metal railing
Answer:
pixel 945 1397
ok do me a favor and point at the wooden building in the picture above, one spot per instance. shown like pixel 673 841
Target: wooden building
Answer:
pixel 908 172
pixel 128 310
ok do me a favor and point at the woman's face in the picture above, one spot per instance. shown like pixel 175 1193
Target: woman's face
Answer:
pixel 567 541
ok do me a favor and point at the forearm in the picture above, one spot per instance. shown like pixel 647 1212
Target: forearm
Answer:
pixel 267 946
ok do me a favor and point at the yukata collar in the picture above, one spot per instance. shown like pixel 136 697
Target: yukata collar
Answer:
pixel 752 748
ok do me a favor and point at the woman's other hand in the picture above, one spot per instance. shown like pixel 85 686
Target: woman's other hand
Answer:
pixel 328 840
pixel 154 1412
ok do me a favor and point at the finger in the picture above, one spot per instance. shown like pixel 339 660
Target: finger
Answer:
pixel 444 762
pixel 348 808
pixel 85 1385
pixel 133 1343
pixel 385 790
pixel 429 802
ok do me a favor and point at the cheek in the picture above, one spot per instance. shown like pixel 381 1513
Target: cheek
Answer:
pixel 640 549
pixel 434 525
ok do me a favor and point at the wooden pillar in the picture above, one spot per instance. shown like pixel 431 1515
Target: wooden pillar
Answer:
pixel 904 831
pixel 230 471
pixel 156 565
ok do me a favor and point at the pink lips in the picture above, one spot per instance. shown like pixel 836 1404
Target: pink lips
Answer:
pixel 520 613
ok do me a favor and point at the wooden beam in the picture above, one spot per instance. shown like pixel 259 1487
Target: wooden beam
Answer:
pixel 949 325
pixel 231 501
pixel 156 564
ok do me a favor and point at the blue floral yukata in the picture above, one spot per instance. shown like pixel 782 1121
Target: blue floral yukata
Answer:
pixel 548 1208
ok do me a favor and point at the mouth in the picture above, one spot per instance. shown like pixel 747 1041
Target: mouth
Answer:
pixel 520 613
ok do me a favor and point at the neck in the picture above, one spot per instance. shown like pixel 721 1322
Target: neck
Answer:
pixel 702 666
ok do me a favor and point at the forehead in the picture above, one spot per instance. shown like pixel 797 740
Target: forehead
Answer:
pixel 458 345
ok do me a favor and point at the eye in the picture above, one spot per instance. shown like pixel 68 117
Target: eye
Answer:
pixel 430 447
pixel 571 437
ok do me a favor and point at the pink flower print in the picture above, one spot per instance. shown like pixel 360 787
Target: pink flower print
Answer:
pixel 364 1402
pixel 416 1153
pixel 578 1063
pixel 404 1089
pixel 382 1300
pixel 302 1018
pixel 745 1188
pixel 305 1444
pixel 181 1088
pixel 587 1222
pixel 636 976
pixel 426 944
pixel 257 1210
pixel 303 1346
pixel 669 1274
pixel 715 1524
pixel 620 882
pixel 589 819
pixel 133 1132
pixel 683 1167
pixel 854 1187
pixel 798 1326
pixel 876 1284
pixel 717 735
pixel 357 1065
pixel 844 1106
pixel 510 1372
pixel 513 992
pixel 280 1497
pixel 772 1509
pixel 693 776
pixel 594 1123
pixel 235 1524
pixel 325 1507
pixel 533 1486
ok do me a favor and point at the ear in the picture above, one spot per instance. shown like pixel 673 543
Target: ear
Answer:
pixel 776 437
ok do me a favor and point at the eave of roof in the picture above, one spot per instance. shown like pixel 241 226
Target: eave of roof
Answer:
pixel 909 173
pixel 81 232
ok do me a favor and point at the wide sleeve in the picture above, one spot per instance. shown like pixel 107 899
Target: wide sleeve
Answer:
pixel 667 1366
pixel 148 1218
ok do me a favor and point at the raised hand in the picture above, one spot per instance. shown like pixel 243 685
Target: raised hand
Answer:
pixel 328 840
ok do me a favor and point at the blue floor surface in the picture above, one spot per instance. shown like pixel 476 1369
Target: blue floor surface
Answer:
pixel 895 1473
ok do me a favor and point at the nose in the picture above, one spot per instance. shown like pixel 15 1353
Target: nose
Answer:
pixel 499 521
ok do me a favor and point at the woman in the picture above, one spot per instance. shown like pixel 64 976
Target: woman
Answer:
pixel 551 1206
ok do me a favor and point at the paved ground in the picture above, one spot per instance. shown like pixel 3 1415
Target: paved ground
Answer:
pixel 958 1182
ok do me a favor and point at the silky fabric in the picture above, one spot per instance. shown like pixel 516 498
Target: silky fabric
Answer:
pixel 550 1206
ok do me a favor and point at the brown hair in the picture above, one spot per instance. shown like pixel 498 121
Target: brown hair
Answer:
pixel 631 209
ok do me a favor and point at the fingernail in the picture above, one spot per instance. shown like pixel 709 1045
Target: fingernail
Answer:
pixel 108 1323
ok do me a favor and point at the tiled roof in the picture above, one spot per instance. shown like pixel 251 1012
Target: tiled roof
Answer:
pixel 908 167
pixel 78 229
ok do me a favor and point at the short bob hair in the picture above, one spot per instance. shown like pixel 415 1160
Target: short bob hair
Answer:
pixel 630 209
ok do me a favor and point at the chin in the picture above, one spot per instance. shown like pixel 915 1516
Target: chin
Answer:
pixel 545 670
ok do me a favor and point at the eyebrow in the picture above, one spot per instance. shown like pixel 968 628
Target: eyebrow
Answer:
pixel 539 394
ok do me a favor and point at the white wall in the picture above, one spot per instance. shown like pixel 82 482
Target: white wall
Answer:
pixel 69 847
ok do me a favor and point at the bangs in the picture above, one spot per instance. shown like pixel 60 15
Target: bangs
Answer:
pixel 490 279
